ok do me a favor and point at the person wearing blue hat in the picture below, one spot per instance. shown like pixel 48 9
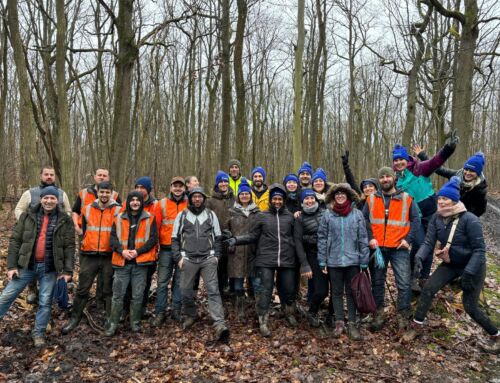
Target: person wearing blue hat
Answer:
pixel 366 187
pixel 260 191
pixel 293 190
pixel 320 185
pixel 305 173
pixel 455 237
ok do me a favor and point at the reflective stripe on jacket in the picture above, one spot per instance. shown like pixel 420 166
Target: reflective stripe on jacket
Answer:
pixel 87 196
pixel 390 230
pixel 99 223
pixel 142 234
pixel 169 210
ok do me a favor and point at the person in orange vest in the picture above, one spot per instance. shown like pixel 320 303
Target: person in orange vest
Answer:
pixel 170 207
pixel 392 220
pixel 95 252
pixel 134 239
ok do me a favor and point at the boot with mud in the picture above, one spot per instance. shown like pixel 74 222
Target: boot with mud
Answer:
pixel 76 315
pixel 313 319
pixel 378 320
pixel 339 329
pixel 289 311
pixel 240 306
pixel 114 319
pixel 188 322
pixel 353 332
pixel 135 316
pixel 264 330
pixel 159 320
pixel 222 333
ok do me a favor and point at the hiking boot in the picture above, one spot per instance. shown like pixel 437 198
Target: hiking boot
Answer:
pixel 76 315
pixel 240 306
pixel 403 318
pixel 114 319
pixel 39 341
pixel 222 333
pixel 289 315
pixel 264 330
pixel 492 345
pixel 330 321
pixel 353 332
pixel 176 316
pixel 339 328
pixel 135 316
pixel 378 320
pixel 188 322
pixel 411 332
pixel 158 320
pixel 313 319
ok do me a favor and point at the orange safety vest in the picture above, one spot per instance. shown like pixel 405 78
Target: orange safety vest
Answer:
pixel 87 197
pixel 98 228
pixel 169 210
pixel 390 234
pixel 142 235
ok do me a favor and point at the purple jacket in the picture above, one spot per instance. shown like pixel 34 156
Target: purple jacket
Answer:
pixel 426 168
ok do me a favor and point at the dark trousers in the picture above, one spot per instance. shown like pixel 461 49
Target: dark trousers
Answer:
pixel 222 275
pixel 90 267
pixel 340 279
pixel 321 284
pixel 286 285
pixel 417 242
pixel 443 275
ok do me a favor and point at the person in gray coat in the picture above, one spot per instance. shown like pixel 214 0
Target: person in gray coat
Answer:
pixel 342 251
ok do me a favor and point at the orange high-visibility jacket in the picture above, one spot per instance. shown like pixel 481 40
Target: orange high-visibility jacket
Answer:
pixel 87 197
pixel 169 209
pixel 142 235
pixel 390 234
pixel 98 227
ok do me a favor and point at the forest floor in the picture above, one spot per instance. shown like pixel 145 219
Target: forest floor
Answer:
pixel 446 350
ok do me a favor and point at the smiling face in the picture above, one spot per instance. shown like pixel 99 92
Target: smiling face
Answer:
pixel 234 171
pixel 400 164
pixel 291 186
pixel 197 199
pixel 177 189
pixel 277 201
pixel 386 183
pixel 340 198
pixel 305 178
pixel 257 179
pixel 309 201
pixel 49 203
pixel 445 202
pixel 245 198
pixel 469 175
pixel 369 188
pixel 135 204
pixel 223 186
pixel 48 176
pixel 318 185
pixel 104 195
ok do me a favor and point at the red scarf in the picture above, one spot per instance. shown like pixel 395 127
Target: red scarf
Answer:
pixel 344 209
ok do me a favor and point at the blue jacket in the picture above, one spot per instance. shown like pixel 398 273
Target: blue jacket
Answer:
pixel 467 249
pixel 342 241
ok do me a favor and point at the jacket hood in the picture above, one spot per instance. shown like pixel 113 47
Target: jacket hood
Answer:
pixel 131 195
pixel 373 181
pixel 277 187
pixel 344 187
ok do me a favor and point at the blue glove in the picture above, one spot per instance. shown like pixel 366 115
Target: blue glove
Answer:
pixel 379 259
pixel 363 267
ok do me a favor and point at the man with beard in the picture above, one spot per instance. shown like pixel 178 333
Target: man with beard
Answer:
pixel 391 221
pixel 234 175
pixel 260 192
pixel 196 247
pixel 305 173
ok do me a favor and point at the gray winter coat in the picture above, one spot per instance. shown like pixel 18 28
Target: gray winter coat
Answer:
pixel 342 241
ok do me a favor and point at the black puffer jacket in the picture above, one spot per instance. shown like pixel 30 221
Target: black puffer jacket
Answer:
pixel 306 231
pixel 273 232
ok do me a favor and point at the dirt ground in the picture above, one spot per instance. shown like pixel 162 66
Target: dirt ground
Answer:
pixel 446 350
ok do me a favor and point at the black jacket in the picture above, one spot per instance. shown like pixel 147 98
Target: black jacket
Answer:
pixel 306 232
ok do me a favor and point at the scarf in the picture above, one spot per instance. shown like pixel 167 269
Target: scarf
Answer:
pixel 246 210
pixel 344 209
pixel 450 211
pixel 311 209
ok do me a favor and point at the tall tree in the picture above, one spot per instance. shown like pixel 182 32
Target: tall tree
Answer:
pixel 297 86
pixel 239 81
pixel 225 36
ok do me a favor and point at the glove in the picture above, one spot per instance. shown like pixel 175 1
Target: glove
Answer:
pixel 418 267
pixel 345 158
pixel 363 267
pixel 230 242
pixel 452 140
pixel 467 282
pixel 226 234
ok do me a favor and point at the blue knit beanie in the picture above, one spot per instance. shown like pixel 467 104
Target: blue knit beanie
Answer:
pixel 290 177
pixel 276 189
pixel 260 170
pixel 221 176
pixel 49 190
pixel 146 182
pixel 475 163
pixel 244 186
pixel 307 193
pixel 305 167
pixel 400 151
pixel 319 173
pixel 451 189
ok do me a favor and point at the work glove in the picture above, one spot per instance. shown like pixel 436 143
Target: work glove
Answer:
pixel 467 282
pixel 230 242
pixel 345 158
pixel 418 267
pixel 452 141
pixel 226 234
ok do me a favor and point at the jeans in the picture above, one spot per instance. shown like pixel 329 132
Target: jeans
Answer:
pixel 90 267
pixel 133 274
pixel 208 270
pixel 167 270
pixel 286 285
pixel 340 280
pixel 238 284
pixel 443 275
pixel 16 286
pixel 400 262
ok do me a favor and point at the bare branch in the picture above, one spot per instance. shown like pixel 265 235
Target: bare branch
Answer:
pixel 446 12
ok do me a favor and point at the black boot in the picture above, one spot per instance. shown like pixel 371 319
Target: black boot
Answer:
pixel 76 315
pixel 135 316
pixel 114 318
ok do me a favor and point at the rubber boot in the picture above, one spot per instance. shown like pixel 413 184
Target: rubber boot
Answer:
pixel 353 332
pixel 378 320
pixel 339 328
pixel 114 319
pixel 289 315
pixel 176 315
pixel 222 332
pixel 264 330
pixel 313 319
pixel 159 319
pixel 107 306
pixel 240 306
pixel 135 316
pixel 403 318
pixel 76 315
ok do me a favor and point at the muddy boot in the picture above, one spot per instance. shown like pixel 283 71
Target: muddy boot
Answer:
pixel 492 346
pixel 107 306
pixel 415 286
pixel 76 315
pixel 39 341
pixel 290 315
pixel 313 319
pixel 264 330
pixel 403 318
pixel 378 320
pixel 240 306
pixel 188 322
pixel 353 332
pixel 135 316
pixel 114 319
pixel 32 296
pixel 330 321
pixel 339 329
pixel 222 332
pixel 176 316
pixel 159 320
pixel 412 331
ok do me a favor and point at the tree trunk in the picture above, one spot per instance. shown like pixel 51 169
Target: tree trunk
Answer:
pixel 225 34
pixel 239 82
pixel 297 87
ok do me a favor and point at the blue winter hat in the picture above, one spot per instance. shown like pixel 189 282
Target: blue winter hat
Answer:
pixel 49 190
pixel 451 189
pixel 319 173
pixel 146 182
pixel 244 186
pixel 260 170
pixel 307 193
pixel 400 151
pixel 290 177
pixel 475 163
pixel 276 189
pixel 221 176
pixel 305 167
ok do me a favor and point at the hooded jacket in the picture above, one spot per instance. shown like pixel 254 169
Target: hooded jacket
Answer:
pixel 220 204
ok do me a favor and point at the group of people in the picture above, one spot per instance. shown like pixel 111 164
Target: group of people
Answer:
pixel 247 238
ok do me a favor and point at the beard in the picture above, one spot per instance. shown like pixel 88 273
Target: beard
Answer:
pixel 387 186
pixel 258 183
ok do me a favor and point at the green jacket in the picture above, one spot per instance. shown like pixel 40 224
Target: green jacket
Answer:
pixel 23 241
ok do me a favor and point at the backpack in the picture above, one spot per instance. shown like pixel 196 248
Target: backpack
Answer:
pixel 362 293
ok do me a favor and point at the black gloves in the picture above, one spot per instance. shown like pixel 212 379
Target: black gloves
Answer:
pixel 230 242
pixel 345 158
pixel 226 234
pixel 417 267
pixel 467 282
pixel 452 140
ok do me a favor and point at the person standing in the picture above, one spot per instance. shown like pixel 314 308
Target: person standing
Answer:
pixel 260 191
pixel 305 173
pixel 320 185
pixel 42 247
pixel 234 174
pixel 293 193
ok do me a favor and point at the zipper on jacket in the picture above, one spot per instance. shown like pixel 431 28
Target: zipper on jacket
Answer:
pixel 99 234
pixel 279 238
pixel 386 215
pixel 342 239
